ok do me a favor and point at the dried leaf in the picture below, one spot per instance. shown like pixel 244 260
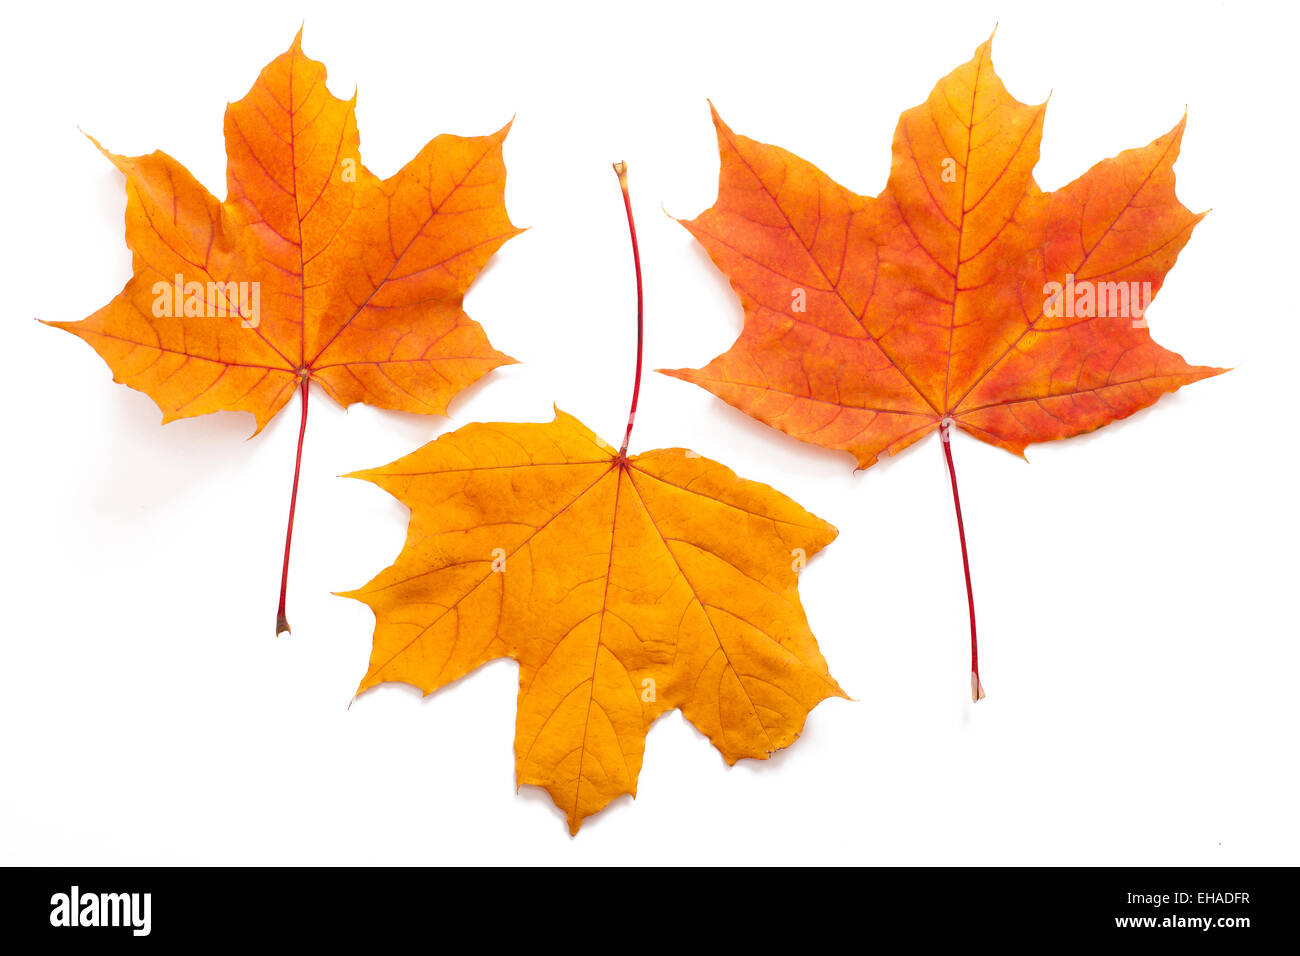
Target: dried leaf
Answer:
pixel 962 295
pixel 625 587
pixel 312 270
pixel 869 322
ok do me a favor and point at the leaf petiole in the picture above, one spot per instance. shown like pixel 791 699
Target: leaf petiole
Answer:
pixel 282 622
pixel 976 688
pixel 620 169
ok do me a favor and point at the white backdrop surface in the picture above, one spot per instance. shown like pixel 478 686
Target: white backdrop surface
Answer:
pixel 1135 586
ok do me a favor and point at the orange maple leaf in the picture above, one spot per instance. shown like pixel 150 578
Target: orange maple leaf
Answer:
pixel 624 587
pixel 961 295
pixel 312 270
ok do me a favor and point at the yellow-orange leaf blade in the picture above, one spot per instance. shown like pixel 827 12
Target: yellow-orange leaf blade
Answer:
pixel 624 588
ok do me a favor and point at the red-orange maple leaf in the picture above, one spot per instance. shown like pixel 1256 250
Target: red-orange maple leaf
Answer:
pixel 312 270
pixel 962 295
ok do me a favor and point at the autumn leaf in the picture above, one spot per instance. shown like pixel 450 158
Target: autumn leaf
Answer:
pixel 625 586
pixel 962 295
pixel 312 270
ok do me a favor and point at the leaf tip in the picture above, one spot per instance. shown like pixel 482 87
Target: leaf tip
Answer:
pixel 119 161
pixel 719 124
pixel 985 49
pixel 685 374
pixel 97 143
pixel 1175 136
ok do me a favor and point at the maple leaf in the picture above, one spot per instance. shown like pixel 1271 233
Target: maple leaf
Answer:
pixel 962 295
pixel 624 587
pixel 312 270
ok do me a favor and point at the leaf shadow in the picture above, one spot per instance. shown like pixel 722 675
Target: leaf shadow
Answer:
pixel 420 429
pixel 783 446
pixel 1166 403
pixel 167 463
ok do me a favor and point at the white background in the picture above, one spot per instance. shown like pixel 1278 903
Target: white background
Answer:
pixel 1135 587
